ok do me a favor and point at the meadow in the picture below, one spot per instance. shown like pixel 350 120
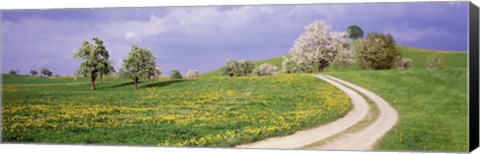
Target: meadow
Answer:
pixel 213 112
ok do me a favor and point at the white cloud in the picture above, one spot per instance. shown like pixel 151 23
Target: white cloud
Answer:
pixel 130 34
pixel 407 34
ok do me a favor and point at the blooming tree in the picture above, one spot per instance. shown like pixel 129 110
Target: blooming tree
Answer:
pixel 320 47
pixel 140 63
pixel 95 61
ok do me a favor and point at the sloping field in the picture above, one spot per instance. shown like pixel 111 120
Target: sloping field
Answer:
pixel 213 112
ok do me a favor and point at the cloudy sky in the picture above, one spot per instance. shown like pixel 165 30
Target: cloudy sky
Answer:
pixel 204 37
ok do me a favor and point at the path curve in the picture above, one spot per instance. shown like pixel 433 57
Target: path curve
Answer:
pixel 367 137
pixel 299 139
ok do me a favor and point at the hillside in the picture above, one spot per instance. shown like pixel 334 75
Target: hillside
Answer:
pixel 432 103
pixel 418 56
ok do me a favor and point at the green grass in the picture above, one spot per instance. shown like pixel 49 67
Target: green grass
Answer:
pixel 432 106
pixel 419 56
pixel 213 112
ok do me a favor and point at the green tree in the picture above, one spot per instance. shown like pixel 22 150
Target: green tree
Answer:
pixel 355 32
pixel 33 72
pixel 95 60
pixel 139 64
pixel 175 74
pixel 377 51
pixel 45 72
pixel 106 69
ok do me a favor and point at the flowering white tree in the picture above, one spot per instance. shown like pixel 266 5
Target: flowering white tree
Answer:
pixel 320 46
pixel 192 74
pixel 265 69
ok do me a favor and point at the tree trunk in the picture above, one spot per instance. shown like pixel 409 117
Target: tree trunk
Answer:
pixel 92 83
pixel 320 67
pixel 135 84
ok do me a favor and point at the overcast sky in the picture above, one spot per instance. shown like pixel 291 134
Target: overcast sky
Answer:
pixel 204 37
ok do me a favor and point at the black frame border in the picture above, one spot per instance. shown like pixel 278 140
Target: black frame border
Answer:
pixel 473 77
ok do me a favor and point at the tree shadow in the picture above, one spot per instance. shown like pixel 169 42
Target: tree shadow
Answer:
pixel 162 83
pixel 123 84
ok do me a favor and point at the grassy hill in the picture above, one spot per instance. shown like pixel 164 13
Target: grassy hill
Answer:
pixel 432 103
pixel 418 56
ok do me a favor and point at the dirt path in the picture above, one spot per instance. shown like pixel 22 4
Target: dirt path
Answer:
pixel 364 139
pixel 367 137
pixel 301 138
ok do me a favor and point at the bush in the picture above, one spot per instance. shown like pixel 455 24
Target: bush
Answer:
pixel 192 74
pixel 377 51
pixel 175 74
pixel 237 68
pixel 403 63
pixel 290 65
pixel 265 69
pixel 435 61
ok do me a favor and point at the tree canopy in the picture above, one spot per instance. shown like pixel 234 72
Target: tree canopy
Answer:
pixel 318 46
pixel 46 72
pixel 140 63
pixel 377 51
pixel 33 72
pixel 95 60
pixel 355 32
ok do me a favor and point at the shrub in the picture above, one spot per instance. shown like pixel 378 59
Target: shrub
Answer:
pixel 435 60
pixel 377 51
pixel 290 65
pixel 237 68
pixel 265 69
pixel 192 74
pixel 175 74
pixel 403 63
